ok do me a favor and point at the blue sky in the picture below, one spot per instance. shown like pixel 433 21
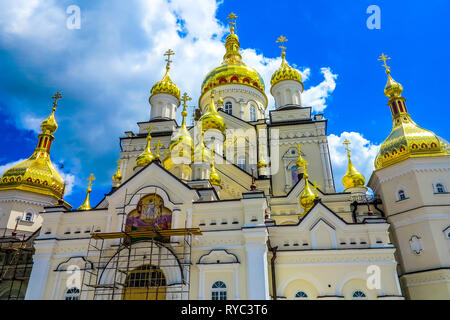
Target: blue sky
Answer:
pixel 107 68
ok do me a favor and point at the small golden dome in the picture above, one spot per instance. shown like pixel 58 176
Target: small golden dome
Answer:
pixel 146 157
pixel 214 177
pixel 353 178
pixel 211 119
pixel 307 199
pixel 233 70
pixel 393 88
pixel 286 72
pixel 166 85
pixel 37 173
pixel 117 177
pixel 86 206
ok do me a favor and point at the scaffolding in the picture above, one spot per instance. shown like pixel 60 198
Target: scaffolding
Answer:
pixel 16 262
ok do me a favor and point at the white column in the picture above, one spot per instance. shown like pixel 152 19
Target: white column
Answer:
pixel 257 268
pixel 236 282
pixel 201 284
pixel 39 277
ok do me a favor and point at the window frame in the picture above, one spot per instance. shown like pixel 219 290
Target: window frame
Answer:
pixel 25 215
pixel 219 291
pixel 253 116
pixel 228 107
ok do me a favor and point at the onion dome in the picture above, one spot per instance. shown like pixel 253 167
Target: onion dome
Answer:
pixel 211 119
pixel 117 177
pixel 307 199
pixel 214 177
pixel 233 70
pixel 353 178
pixel 407 139
pixel 37 173
pixel 166 85
pixel 285 72
pixel 146 157
pixel 86 204
pixel 182 144
pixel 201 153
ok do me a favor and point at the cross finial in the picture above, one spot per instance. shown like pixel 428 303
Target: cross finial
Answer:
pixel 91 179
pixel 158 146
pixel 213 93
pixel 347 144
pixel 316 187
pixel 232 17
pixel 168 54
pixel 299 148
pixel 185 98
pixel 385 58
pixel 282 40
pixel 56 97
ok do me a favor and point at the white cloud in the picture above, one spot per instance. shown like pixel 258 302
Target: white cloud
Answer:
pixel 33 123
pixel 363 155
pixel 315 97
pixel 107 68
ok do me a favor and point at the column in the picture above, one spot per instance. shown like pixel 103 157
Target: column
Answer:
pixel 39 277
pixel 257 268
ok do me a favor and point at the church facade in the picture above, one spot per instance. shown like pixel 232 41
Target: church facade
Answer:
pixel 240 206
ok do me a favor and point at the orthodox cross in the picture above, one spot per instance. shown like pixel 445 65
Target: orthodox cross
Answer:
pixel 299 148
pixel 385 58
pixel 185 98
pixel 347 146
pixel 91 179
pixel 56 97
pixel 316 186
pixel 169 53
pixel 232 17
pixel 282 40
pixel 158 146
pixel 149 136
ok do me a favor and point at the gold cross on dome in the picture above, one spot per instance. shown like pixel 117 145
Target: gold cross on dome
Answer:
pixel 232 17
pixel 158 146
pixel 299 148
pixel 347 144
pixel 91 179
pixel 282 40
pixel 168 54
pixel 185 98
pixel 385 58
pixel 56 97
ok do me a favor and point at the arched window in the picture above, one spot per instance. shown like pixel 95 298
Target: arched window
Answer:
pixel 242 163
pixel 72 294
pixel 359 295
pixel 219 291
pixel 252 113
pixel 440 188
pixel 228 108
pixel 29 217
pixel 301 295
pixel 401 195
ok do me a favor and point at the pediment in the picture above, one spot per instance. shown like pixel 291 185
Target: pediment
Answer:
pixel 218 257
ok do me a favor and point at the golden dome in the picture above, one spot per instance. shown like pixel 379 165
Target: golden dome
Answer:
pixel 353 178
pixel 286 72
pixel 407 139
pixel 214 177
pixel 117 177
pixel 86 206
pixel 201 153
pixel 233 69
pixel 182 142
pixel 146 157
pixel 308 197
pixel 211 119
pixel 37 173
pixel 166 85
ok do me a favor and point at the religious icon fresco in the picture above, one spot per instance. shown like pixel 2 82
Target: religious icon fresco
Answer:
pixel 149 215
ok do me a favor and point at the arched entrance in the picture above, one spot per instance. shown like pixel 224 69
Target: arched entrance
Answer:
pixel 146 282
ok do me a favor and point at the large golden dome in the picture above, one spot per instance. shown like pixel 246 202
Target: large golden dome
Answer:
pixel 233 70
pixel 37 173
pixel 407 139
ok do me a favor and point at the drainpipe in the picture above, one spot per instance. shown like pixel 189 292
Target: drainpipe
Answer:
pixel 272 264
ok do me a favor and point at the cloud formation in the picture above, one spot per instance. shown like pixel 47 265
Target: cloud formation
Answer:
pixel 107 68
pixel 363 155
